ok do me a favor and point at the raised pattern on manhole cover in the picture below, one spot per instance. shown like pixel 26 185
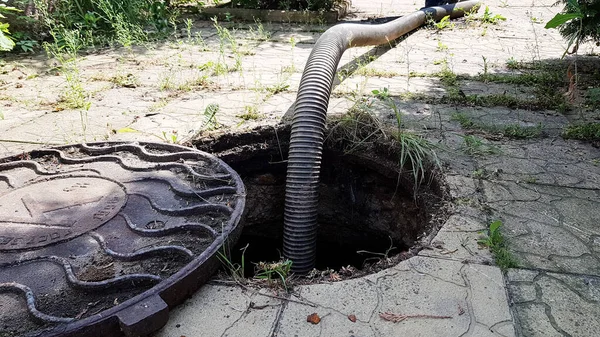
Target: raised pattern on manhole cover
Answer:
pixel 31 218
pixel 88 232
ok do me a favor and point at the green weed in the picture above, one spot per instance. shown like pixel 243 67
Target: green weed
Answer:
pixel 172 137
pixel 487 18
pixel 235 270
pixel 587 131
pixel 417 152
pixel 383 94
pixel 522 132
pixel 259 33
pixel 444 23
pixel 250 113
pixel 279 271
pixel 475 146
pixel 496 243
pixel 593 98
pixel 278 87
pixel 480 174
pixel 441 46
pixel 125 80
pixel 512 63
pixel 464 120
pixel 372 72
pixel 226 38
pixel 210 117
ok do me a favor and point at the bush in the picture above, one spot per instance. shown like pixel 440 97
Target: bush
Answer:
pixel 86 22
pixel 579 22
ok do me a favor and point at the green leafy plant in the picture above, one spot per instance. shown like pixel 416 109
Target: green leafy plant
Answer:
pixel 383 94
pixel 491 18
pixel 441 46
pixel 279 270
pixel 495 241
pixel 486 18
pixel 463 119
pixel 226 38
pixel 512 63
pixel 24 42
pixel 578 22
pixel 210 115
pixel 444 23
pixel 6 42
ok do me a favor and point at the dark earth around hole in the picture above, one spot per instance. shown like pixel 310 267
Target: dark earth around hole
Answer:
pixel 365 203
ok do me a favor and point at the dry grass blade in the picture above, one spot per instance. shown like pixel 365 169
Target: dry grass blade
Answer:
pixel 388 316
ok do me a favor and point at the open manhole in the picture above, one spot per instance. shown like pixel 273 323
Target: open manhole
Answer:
pixel 370 215
pixel 102 239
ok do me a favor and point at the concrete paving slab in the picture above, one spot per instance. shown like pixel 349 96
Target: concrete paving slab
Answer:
pixel 550 304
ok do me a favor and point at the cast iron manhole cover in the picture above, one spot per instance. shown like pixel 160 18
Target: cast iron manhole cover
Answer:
pixel 101 239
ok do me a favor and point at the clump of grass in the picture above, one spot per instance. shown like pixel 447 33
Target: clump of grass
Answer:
pixel 465 121
pixel 250 113
pixel 417 152
pixel 360 129
pixel 593 98
pixel 234 269
pixel 372 72
pixel 278 87
pixel 522 132
pixel 274 272
pixel 587 131
pixel 515 131
pixel 495 241
pixel 226 38
pixel 474 146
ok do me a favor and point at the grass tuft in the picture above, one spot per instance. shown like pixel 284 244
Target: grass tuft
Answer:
pixel 587 131
pixel 495 241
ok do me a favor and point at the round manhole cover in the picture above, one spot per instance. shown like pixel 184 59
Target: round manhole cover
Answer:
pixel 101 239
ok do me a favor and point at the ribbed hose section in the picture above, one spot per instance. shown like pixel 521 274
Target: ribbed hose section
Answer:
pixel 308 124
pixel 306 145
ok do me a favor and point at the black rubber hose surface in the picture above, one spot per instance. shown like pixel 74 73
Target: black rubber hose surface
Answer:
pixel 308 123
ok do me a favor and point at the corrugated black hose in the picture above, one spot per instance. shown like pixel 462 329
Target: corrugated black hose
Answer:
pixel 308 123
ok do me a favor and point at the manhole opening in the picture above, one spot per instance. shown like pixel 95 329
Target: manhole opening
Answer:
pixel 369 215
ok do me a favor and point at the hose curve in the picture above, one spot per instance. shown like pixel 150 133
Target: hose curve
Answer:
pixel 308 123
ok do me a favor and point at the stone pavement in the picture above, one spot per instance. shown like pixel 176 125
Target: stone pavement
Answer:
pixel 545 190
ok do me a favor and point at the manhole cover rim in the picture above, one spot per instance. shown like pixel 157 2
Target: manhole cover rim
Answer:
pixel 196 264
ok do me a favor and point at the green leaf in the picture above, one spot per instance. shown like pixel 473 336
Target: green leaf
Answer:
pixel 494 226
pixel 6 44
pixel 560 19
pixel 126 130
pixel 5 9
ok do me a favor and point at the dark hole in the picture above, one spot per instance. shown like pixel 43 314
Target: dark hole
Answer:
pixel 367 211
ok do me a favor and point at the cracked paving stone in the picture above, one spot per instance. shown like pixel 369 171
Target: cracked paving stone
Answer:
pixel 562 305
pixel 222 311
pixel 554 233
pixel 472 295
